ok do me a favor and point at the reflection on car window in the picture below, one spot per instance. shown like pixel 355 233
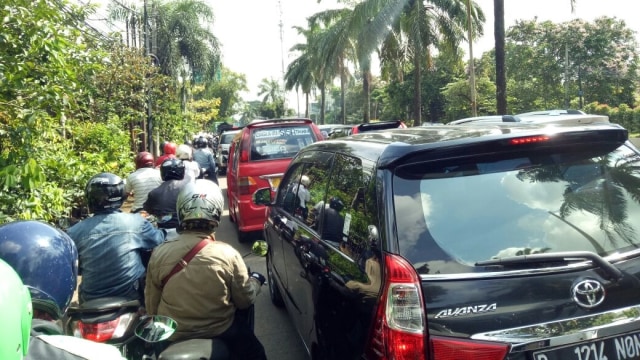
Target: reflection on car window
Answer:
pixel 552 203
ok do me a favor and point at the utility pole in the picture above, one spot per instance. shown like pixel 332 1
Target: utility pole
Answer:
pixel 281 25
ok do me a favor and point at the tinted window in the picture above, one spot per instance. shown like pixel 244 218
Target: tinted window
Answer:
pixel 316 167
pixel 279 142
pixel 451 215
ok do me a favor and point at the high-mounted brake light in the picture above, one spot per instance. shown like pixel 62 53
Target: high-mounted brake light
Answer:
pixel 529 140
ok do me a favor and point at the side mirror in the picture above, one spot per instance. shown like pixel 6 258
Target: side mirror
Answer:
pixel 156 328
pixel 260 248
pixel 262 197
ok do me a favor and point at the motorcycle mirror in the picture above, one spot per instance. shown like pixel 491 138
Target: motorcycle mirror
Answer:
pixel 156 328
pixel 260 248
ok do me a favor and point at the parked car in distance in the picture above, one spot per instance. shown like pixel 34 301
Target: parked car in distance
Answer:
pixel 497 241
pixel 260 153
pixel 222 155
pixel 380 125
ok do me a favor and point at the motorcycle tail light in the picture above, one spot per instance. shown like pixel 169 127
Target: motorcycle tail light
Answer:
pixel 105 331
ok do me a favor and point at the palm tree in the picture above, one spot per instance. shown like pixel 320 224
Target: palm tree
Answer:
pixel 186 43
pixel 273 94
pixel 299 75
pixel 420 26
pixel 335 48
pixel 501 82
pixel 131 17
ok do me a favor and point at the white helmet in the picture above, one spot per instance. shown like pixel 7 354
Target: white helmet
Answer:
pixel 184 152
pixel 199 205
pixel 305 180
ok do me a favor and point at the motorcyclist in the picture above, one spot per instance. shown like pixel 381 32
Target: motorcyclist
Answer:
pixel 161 201
pixel 207 296
pixel 169 152
pixel 144 179
pixel 192 169
pixel 45 259
pixel 111 243
pixel 204 157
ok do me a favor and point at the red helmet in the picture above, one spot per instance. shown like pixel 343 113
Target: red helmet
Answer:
pixel 170 148
pixel 144 159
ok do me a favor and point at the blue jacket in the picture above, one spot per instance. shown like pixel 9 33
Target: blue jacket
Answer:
pixel 109 252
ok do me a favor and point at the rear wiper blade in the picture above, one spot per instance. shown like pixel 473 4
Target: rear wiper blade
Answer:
pixel 612 272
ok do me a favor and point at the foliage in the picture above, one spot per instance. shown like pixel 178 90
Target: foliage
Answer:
pixel 272 99
pixel 600 57
pixel 227 89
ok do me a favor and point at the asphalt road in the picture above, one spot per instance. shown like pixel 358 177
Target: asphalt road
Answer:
pixel 272 325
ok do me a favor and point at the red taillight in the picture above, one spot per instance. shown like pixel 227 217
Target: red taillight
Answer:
pixel 104 331
pixel 246 185
pixel 399 327
pixel 529 140
pixel 459 349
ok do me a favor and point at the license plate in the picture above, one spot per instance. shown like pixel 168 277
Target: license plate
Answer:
pixel 621 347
pixel 274 182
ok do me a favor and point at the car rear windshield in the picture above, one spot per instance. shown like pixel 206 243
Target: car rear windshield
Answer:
pixel 226 137
pixel 279 142
pixel 451 215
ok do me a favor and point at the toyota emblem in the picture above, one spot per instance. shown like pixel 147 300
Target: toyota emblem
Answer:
pixel 588 293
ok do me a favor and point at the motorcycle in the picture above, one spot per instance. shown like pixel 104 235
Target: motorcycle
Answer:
pixel 110 320
pixel 123 323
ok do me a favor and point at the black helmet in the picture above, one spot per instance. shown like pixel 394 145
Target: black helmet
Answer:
pixel 105 192
pixel 201 142
pixel 46 260
pixel 172 169
pixel 336 203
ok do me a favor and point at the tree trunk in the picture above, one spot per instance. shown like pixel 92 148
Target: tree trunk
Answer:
pixel 343 89
pixel 366 89
pixel 417 90
pixel 501 79
pixel 322 102
pixel 306 105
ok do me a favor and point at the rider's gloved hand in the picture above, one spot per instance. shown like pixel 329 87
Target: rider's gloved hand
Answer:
pixel 258 277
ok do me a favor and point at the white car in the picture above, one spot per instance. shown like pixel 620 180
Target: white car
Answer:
pixel 222 155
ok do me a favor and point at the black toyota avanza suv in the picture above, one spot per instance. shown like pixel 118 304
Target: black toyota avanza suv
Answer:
pixel 482 242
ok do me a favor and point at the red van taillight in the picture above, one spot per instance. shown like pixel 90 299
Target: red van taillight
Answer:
pixel 104 331
pixel 246 185
pixel 399 327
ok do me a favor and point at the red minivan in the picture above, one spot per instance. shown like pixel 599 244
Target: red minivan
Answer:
pixel 258 157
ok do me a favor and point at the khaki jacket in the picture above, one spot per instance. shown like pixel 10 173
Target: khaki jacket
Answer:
pixel 202 297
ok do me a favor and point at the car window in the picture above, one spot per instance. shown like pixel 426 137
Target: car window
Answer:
pixel 279 142
pixel 451 216
pixel 350 195
pixel 316 168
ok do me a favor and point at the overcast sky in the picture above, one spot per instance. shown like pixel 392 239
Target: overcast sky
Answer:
pixel 249 30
